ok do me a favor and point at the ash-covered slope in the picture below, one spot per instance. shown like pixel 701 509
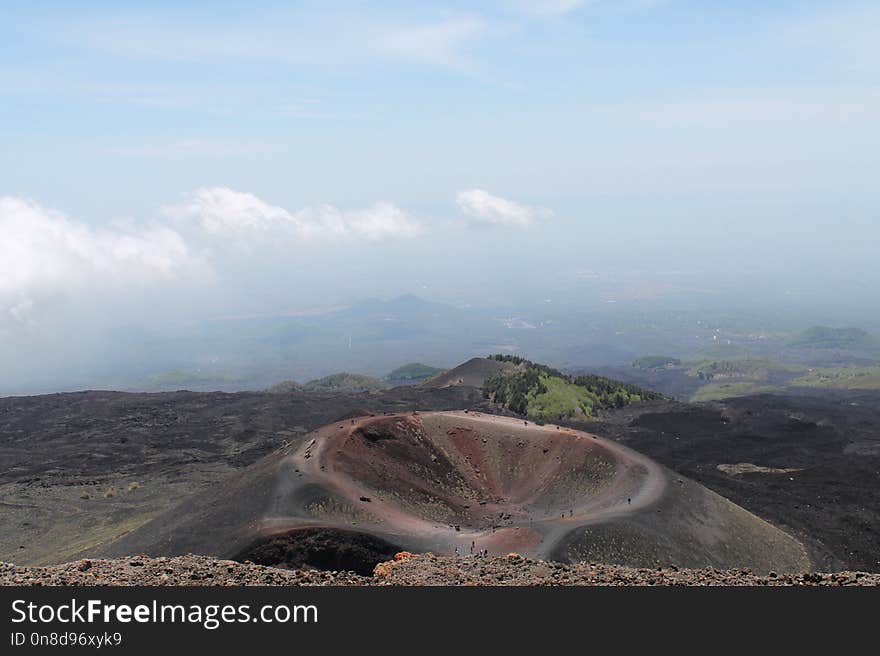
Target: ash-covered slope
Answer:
pixel 356 491
pixel 473 373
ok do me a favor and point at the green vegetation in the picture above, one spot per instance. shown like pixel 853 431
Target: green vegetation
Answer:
pixel 341 382
pixel 841 378
pixel 560 399
pixel 513 359
pixel 414 371
pixel 718 391
pixel 285 387
pixel 539 391
pixel 729 378
pixel 823 337
pixel 345 382
pixel 650 362
pixel 513 389
pixel 753 369
pixel 720 351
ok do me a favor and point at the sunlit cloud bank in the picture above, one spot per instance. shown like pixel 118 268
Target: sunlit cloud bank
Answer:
pixel 48 259
pixel 224 212
pixel 482 207
pixel 45 255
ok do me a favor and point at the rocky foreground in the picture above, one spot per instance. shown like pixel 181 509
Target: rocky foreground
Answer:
pixel 406 569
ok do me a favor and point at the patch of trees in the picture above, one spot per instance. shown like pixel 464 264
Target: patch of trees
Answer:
pixel 515 389
pixel 656 362
pixel 517 360
pixel 413 371
pixel 514 359
pixel 512 389
pixel 825 337
pixel 346 382
pixel 613 393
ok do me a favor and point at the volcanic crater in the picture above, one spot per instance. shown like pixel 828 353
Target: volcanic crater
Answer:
pixel 358 490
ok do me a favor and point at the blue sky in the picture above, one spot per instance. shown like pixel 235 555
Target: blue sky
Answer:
pixel 185 149
pixel 347 102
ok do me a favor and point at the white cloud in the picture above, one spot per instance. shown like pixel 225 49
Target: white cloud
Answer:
pixel 482 207
pixel 381 221
pixel 48 259
pixel 225 212
pixel 45 255
pixel 220 210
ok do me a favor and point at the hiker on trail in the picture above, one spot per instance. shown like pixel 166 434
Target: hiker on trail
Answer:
pixel 628 500
pixel 473 544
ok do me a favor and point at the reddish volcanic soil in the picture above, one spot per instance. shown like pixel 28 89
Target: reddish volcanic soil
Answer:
pixel 425 569
pixel 460 478
pixel 358 490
